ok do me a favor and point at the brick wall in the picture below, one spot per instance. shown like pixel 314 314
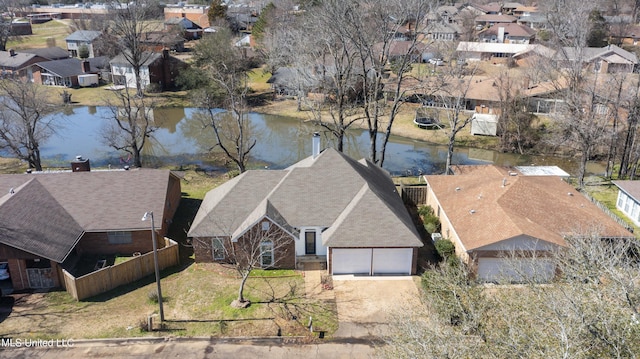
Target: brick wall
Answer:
pixel 98 243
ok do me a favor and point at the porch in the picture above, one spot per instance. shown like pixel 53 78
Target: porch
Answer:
pixel 311 262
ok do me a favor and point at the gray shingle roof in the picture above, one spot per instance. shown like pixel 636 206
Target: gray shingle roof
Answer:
pixel 149 58
pixel 50 53
pixel 356 201
pixel 72 67
pixel 51 210
pixel 83 35
pixel 16 61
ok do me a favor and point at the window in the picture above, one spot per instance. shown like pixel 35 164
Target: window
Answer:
pixel 266 254
pixel 620 200
pixel 119 237
pixel 265 225
pixel 217 249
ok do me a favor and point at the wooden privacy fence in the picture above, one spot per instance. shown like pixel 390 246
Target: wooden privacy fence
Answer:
pixel 414 195
pixel 120 274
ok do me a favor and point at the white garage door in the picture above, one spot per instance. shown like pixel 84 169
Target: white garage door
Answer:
pixel 392 260
pixel 515 270
pixel 351 261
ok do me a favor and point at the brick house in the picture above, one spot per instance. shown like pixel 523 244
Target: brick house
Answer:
pixel 49 221
pixel 158 68
pixel 328 208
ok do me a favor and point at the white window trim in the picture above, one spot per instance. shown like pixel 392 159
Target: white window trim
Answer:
pixel 266 247
pixel 214 247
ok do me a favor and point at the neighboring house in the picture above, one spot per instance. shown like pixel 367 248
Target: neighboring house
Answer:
pixel 442 32
pixel 159 68
pixel 196 13
pixel 51 221
pixel 65 72
pixel 49 53
pixel 183 26
pixel 479 51
pixel 490 213
pixel 524 11
pixel 345 212
pixel 629 199
pixel 608 59
pixel 490 20
pixel 508 34
pixel 624 34
pixel 159 40
pixel 18 65
pixel 20 27
pixel 80 38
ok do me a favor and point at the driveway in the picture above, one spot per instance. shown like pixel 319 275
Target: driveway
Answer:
pixel 367 304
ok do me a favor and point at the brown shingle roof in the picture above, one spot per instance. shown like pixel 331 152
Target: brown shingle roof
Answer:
pixel 483 212
pixel 69 202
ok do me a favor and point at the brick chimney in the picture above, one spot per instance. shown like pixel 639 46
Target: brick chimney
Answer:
pixel 166 69
pixel 80 165
pixel 86 66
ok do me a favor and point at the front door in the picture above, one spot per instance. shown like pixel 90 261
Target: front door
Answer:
pixel 310 242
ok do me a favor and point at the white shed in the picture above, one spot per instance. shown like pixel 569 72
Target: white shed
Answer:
pixel 484 124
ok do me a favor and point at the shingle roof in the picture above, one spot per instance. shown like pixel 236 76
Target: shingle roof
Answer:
pixel 83 35
pixel 71 66
pixel 496 18
pixel 631 188
pixel 356 201
pixel 53 209
pixel 483 212
pixel 149 57
pixel 511 29
pixel 16 61
pixel 50 53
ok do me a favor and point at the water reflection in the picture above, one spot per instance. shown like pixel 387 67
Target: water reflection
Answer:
pixel 181 139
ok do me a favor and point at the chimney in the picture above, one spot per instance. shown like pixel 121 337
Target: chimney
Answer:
pixel 86 66
pixel 501 34
pixel 12 52
pixel 315 145
pixel 80 165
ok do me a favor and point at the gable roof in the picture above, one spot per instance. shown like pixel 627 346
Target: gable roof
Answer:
pixel 49 53
pixel 83 36
pixel 496 18
pixel 592 53
pixel 47 212
pixel 71 66
pixel 631 188
pixel 483 212
pixel 350 198
pixel 15 61
pixel 150 58
pixel 511 29
pixel 491 47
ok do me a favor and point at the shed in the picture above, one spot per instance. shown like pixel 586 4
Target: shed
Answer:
pixel 484 124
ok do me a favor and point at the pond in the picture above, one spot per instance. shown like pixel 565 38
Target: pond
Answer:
pixel 281 141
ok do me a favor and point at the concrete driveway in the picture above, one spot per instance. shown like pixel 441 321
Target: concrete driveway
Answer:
pixel 367 304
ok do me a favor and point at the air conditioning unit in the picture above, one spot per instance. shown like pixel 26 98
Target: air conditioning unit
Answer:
pixel 436 237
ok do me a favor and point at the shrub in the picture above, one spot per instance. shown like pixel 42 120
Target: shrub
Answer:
pixel 153 295
pixel 143 324
pixel 425 211
pixel 445 248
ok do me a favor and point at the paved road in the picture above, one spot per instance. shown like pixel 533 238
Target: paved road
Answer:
pixel 195 348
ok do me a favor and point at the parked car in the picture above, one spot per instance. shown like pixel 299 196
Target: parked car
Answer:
pixel 437 62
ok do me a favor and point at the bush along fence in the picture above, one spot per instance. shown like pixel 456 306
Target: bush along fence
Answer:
pixel 606 210
pixel 123 273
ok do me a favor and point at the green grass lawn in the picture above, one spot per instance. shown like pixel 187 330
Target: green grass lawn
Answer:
pixel 51 33
pixel 607 194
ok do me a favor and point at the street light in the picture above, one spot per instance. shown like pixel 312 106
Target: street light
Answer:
pixel 146 216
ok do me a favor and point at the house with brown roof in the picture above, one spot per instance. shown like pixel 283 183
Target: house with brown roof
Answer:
pixel 330 208
pixel 51 221
pixel 489 213
pixel 508 33
pixel 18 64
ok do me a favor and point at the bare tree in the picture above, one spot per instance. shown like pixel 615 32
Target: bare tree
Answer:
pixel 590 310
pixel 225 70
pixel 8 11
pixel 26 120
pixel 131 124
pixel 130 22
pixel 262 244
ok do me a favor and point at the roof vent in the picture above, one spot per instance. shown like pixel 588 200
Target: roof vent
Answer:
pixel 12 191
pixel 472 211
pixel 504 182
pixel 570 194
pixel 457 189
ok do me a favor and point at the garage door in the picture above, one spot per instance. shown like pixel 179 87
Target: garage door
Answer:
pixel 392 260
pixel 351 261
pixel 515 270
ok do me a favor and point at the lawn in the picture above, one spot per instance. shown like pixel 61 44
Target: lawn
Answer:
pixel 607 194
pixel 51 33
pixel 196 303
